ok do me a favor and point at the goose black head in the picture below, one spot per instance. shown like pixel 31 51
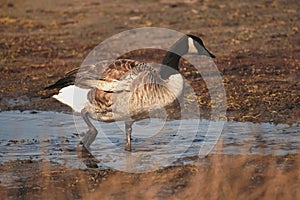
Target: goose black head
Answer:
pixel 195 45
pixel 187 44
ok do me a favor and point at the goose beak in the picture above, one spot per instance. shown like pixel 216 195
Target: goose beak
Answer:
pixel 210 54
pixel 201 50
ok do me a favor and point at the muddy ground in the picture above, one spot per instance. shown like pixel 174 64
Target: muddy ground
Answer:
pixel 257 44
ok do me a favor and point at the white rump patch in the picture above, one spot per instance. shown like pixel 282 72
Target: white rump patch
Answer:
pixel 73 96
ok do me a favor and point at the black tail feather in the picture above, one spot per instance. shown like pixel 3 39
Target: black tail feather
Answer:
pixel 69 79
pixel 64 82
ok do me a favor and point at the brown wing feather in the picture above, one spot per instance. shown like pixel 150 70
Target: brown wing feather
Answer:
pixel 118 69
pixel 85 76
pixel 102 100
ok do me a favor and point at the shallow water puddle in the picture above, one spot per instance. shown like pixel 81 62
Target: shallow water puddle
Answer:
pixel 54 137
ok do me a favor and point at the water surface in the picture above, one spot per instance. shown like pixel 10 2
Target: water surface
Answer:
pixel 54 137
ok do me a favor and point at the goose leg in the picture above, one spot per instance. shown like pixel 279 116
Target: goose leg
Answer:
pixel 91 134
pixel 128 129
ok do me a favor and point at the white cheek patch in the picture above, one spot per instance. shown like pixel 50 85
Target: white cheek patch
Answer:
pixel 192 47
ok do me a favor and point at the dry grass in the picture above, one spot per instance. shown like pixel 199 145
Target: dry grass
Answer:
pixel 215 177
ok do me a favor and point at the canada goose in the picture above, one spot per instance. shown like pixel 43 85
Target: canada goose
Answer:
pixel 127 89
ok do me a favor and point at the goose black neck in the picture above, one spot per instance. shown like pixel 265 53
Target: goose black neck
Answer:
pixel 173 56
pixel 171 60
